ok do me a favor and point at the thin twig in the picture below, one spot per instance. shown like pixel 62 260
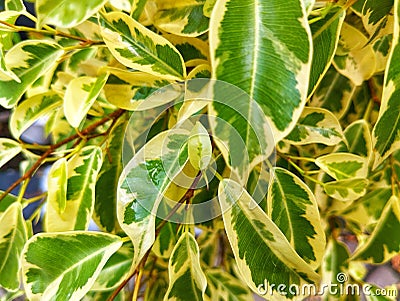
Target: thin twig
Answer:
pixel 116 114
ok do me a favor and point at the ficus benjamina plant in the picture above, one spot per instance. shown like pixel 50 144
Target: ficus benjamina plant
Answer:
pixel 223 148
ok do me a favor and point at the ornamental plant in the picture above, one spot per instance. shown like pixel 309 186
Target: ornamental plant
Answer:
pixel 224 148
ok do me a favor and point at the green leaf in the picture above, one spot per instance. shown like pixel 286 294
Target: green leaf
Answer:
pixel 293 208
pixel 242 131
pixel 382 52
pixel 376 17
pixel 346 190
pixel 325 40
pixel 334 93
pixel 316 126
pixel 355 58
pixel 269 58
pixel 6 202
pixel 166 240
pixel 139 48
pixel 358 137
pixel 105 213
pixel 64 266
pixel 115 270
pixel 383 243
pixel 386 138
pixel 182 17
pixel 341 166
pixel 13 235
pixel 57 186
pixel 8 150
pixel 82 171
pixel 31 109
pixel 66 13
pixel 186 278
pixel 15 5
pixel 190 48
pixel 80 95
pixel 29 60
pixel 226 286
pixel 255 240
pixel 144 183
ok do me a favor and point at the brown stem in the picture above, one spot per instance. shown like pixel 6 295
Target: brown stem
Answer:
pixel 116 114
pixel 372 91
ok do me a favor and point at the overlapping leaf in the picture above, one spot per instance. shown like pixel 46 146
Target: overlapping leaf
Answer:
pixel 13 235
pixel 316 126
pixel 343 166
pixel 139 48
pixel 293 208
pixel 82 171
pixel 64 266
pixel 186 278
pixel 265 59
pixel 346 190
pixel 28 60
pixel 258 243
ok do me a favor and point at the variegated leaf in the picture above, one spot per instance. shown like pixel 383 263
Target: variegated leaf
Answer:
pixel 190 48
pixel 80 95
pixel 139 48
pixel 242 131
pixel 266 245
pixel 200 71
pixel 226 286
pixel 57 187
pixel 13 235
pixel 144 183
pixel 208 7
pixel 355 58
pixel 5 72
pixel 105 213
pixel 166 240
pixel 199 147
pixel 346 190
pixel 358 138
pixel 382 51
pixel 7 34
pixel 8 150
pixel 186 278
pixel 269 58
pixel 377 17
pixel 325 40
pixel 316 126
pixel 115 270
pixel 28 60
pixel 64 266
pixel 32 109
pixel 386 138
pixel 82 170
pixel 182 17
pixel 14 5
pixel 6 202
pixel 334 93
pixel 383 243
pixel 293 208
pixel 66 13
pixel 341 166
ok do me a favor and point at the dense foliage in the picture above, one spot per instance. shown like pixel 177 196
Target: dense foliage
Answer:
pixel 224 148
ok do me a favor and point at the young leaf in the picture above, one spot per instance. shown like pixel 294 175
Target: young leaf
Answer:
pixel 28 60
pixel 341 166
pixel 186 278
pixel 83 169
pixel 293 208
pixel 105 213
pixel 143 184
pixel 8 150
pixel 115 270
pixel 358 137
pixel 139 48
pixel 386 137
pixel 31 109
pixel 325 40
pixel 80 95
pixel 13 235
pixel 268 61
pixel 346 190
pixel 226 286
pixel 316 126
pixel 182 17
pixel 383 243
pixel 266 243
pixel 199 147
pixel 57 186
pixel 64 266
pixel 66 13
